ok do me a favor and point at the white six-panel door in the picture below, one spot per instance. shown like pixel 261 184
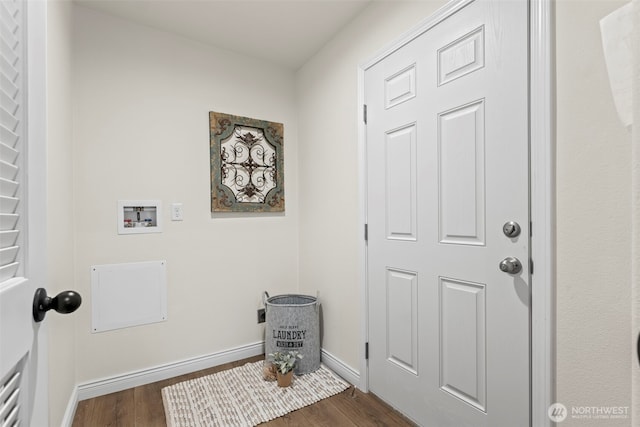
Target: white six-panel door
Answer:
pixel 447 167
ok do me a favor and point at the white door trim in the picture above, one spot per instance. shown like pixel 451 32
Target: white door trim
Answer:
pixel 543 213
pixel 36 197
pixel 542 193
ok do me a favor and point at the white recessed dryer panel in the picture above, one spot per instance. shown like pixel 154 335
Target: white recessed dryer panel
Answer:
pixel 125 295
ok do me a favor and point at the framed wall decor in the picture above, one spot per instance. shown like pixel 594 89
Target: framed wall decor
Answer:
pixel 247 164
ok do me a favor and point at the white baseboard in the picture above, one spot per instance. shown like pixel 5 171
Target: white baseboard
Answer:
pixel 146 376
pixel 70 412
pixel 170 370
pixel 342 369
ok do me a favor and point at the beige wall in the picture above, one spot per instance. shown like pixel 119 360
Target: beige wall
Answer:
pixel 330 234
pixel 141 100
pixel 60 213
pixel 593 221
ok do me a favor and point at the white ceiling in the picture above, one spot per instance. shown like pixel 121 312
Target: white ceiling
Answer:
pixel 284 32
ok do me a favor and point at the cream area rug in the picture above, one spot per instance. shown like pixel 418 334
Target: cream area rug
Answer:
pixel 240 397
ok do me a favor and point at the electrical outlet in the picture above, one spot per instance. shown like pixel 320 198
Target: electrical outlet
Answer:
pixel 262 315
pixel 176 212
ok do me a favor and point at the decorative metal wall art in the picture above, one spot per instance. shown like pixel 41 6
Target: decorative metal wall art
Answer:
pixel 247 165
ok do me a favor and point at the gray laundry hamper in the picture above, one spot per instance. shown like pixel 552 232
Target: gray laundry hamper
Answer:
pixel 293 324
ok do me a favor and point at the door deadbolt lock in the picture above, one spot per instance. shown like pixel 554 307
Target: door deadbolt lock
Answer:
pixel 511 229
pixel 511 265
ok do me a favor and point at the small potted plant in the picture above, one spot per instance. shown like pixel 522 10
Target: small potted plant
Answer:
pixel 285 362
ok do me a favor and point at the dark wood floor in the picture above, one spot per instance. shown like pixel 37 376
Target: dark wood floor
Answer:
pixel 142 407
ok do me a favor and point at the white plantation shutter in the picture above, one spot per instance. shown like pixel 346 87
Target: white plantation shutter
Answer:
pixel 12 137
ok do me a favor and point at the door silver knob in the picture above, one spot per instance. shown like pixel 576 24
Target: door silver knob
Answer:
pixel 511 265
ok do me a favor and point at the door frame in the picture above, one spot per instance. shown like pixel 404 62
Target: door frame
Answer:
pixel 36 197
pixel 542 197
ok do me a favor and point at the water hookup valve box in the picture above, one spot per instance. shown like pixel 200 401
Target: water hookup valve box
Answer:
pixel 139 216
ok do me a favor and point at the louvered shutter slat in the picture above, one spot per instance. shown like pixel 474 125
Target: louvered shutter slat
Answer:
pixel 8 120
pixel 8 221
pixel 7 170
pixel 8 154
pixel 9 38
pixel 8 255
pixel 8 238
pixel 11 7
pixel 9 52
pixel 8 102
pixel 7 390
pixel 12 95
pixel 8 138
pixel 8 188
pixel 12 419
pixel 9 70
pixel 9 271
pixel 8 204
pixel 8 25
pixel 8 86
pixel 11 403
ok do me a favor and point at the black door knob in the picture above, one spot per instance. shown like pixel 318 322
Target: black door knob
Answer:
pixel 65 302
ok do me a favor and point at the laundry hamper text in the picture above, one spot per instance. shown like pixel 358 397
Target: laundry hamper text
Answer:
pixel 289 338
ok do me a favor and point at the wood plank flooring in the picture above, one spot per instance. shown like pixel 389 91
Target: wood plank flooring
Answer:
pixel 142 407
